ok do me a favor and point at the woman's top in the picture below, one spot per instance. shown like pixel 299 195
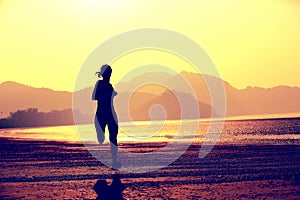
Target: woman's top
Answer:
pixel 104 94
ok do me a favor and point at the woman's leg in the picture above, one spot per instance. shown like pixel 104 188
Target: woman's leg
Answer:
pixel 100 127
pixel 113 133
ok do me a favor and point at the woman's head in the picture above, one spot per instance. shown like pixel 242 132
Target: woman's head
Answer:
pixel 105 71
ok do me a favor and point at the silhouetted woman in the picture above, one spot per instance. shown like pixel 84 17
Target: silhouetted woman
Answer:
pixel 106 115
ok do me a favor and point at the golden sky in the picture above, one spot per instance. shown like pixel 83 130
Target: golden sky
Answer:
pixel 43 43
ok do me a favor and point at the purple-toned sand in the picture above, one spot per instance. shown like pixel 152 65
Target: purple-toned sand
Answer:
pixel 57 170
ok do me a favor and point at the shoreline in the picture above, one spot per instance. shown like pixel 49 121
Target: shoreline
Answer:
pixel 226 119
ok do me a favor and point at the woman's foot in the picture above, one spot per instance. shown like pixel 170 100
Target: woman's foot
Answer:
pixel 116 165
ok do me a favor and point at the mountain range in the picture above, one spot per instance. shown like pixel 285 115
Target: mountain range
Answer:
pixel 156 96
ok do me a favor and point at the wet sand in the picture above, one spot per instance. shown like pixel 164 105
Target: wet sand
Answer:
pixel 57 170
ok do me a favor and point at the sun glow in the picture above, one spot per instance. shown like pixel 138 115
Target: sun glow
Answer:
pixel 47 41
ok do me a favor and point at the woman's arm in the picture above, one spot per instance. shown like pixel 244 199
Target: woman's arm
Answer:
pixel 114 93
pixel 95 91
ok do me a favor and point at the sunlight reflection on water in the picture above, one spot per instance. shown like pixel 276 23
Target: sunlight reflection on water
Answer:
pixel 273 131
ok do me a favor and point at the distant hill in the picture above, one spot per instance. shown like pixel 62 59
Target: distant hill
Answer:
pixel 251 100
pixel 15 96
pixel 240 102
pixel 248 101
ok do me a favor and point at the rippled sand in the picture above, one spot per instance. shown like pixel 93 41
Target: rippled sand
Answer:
pixel 57 170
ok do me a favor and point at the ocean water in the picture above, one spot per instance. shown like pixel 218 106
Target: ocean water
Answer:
pixel 263 131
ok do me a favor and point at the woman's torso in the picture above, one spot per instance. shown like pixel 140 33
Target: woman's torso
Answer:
pixel 104 95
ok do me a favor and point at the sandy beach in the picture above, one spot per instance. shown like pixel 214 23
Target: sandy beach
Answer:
pixel 58 170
